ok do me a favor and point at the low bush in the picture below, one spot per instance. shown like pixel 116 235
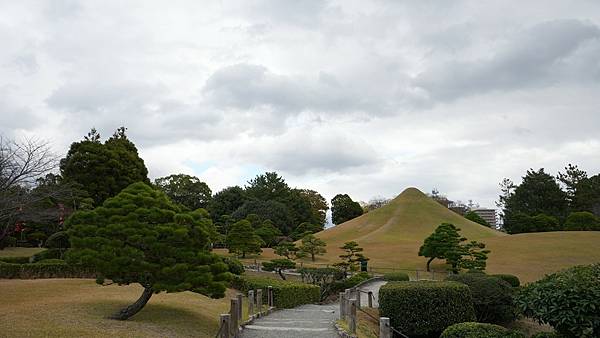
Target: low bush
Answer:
pixel 510 279
pixel 582 221
pixel 547 335
pixel 44 270
pixel 46 254
pixel 52 261
pixel 479 330
pixel 7 241
pixel 234 265
pixel 568 300
pixel 286 294
pixel 493 298
pixel 348 283
pixel 425 307
pixel 15 260
pixel 396 277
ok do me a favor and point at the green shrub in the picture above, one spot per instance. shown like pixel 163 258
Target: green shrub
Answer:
pixel 15 260
pixel 234 265
pixel 7 241
pixel 58 240
pixel 568 300
pixel 348 283
pixel 52 261
pixel 510 279
pixel 286 294
pixel 44 270
pixel 425 307
pixel 493 298
pixel 582 221
pixel 46 254
pixel 547 335
pixel 479 330
pixel 396 277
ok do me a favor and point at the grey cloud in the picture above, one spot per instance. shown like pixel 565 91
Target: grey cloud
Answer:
pixel 534 57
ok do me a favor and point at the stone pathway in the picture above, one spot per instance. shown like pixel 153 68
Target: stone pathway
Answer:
pixel 373 287
pixel 306 321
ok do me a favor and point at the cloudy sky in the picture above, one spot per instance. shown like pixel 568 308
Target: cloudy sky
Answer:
pixel 360 97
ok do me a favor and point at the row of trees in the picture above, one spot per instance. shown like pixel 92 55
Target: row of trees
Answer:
pixel 542 202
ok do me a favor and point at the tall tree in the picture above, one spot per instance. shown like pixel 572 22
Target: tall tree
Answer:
pixel 272 210
pixel 343 208
pixel 318 205
pixel 353 254
pixel 587 195
pixel 186 190
pixel 103 170
pixel 268 233
pixel 241 239
pixel 444 239
pixel 150 242
pixel 311 245
pixel 268 187
pixel 474 217
pixel 539 193
pixel 226 202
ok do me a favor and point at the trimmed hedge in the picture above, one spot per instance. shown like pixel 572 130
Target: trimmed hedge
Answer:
pixel 15 260
pixel 286 294
pixel 348 283
pixel 44 270
pixel 547 335
pixel 396 277
pixel 493 298
pixel 46 254
pixel 510 279
pixel 479 330
pixel 425 307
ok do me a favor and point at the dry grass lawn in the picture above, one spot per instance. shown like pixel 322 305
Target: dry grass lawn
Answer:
pixel 79 307
pixel 19 252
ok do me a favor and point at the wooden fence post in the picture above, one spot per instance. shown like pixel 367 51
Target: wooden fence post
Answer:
pixel 270 296
pixel 259 301
pixel 240 304
pixel 358 296
pixel 385 331
pixel 370 294
pixel 234 318
pixel 342 305
pixel 347 303
pixel 352 321
pixel 224 325
pixel 250 303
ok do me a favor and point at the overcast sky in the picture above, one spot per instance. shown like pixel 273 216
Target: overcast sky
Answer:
pixel 358 97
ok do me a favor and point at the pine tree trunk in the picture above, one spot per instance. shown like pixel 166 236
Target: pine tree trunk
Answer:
pixel 312 255
pixel 281 274
pixel 429 262
pixel 134 308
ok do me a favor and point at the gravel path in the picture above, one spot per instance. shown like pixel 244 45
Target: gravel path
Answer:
pixel 306 321
pixel 373 287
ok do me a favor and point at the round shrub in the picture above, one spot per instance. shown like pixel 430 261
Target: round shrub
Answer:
pixel 58 240
pixel 479 330
pixel 493 298
pixel 396 277
pixel 582 221
pixel 568 300
pixel 234 265
pixel 425 307
pixel 510 279
pixel 46 254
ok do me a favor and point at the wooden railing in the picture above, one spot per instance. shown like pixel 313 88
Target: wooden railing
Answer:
pixel 231 324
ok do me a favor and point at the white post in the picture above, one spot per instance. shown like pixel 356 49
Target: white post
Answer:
pixel 385 331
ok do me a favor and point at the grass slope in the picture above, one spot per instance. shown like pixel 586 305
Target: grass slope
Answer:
pixel 392 235
pixel 79 307
pixel 19 252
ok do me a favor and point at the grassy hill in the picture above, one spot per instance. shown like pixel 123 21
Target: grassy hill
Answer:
pixel 392 235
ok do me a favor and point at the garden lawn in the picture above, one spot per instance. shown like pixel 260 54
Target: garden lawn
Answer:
pixel 79 308
pixel 19 252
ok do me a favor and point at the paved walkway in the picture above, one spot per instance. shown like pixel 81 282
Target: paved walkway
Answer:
pixel 306 321
pixel 373 287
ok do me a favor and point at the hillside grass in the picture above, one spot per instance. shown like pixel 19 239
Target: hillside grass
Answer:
pixel 19 252
pixel 79 308
pixel 391 237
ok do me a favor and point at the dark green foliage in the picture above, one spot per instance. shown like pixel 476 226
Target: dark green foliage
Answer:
pixel 470 256
pixel 539 193
pixel 275 211
pixel 186 190
pixel 52 269
pixel 325 278
pixel 396 277
pixel 492 297
pixel 279 265
pixel 103 170
pixel 8 241
pixel 234 265
pixel 510 279
pixel 288 250
pixel 351 257
pixel 444 239
pixel 241 239
pixel 473 216
pixel 425 307
pixel 312 246
pixel 547 335
pixel 286 294
pixel 47 254
pixel 305 228
pixel 582 221
pixel 587 196
pixel 52 261
pixel 226 201
pixel 479 330
pixel 15 260
pixel 343 209
pixel 347 283
pixel 140 236
pixel 318 206
pixel 58 240
pixel 268 233
pixel 521 223
pixel 568 300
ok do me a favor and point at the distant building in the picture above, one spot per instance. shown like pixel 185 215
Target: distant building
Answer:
pixel 489 215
